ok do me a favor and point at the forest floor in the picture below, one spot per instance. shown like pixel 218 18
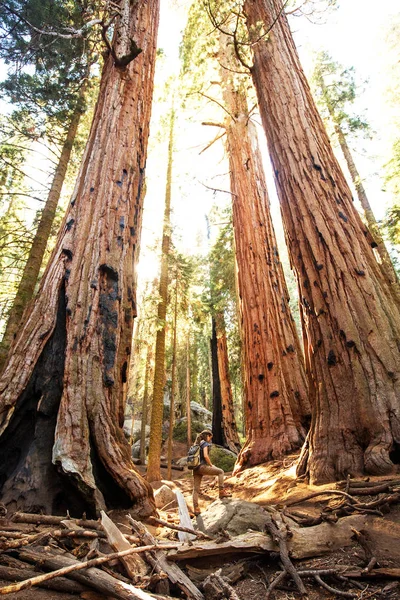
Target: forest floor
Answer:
pixel 353 526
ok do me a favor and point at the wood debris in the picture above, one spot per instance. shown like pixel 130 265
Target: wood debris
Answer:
pixel 86 557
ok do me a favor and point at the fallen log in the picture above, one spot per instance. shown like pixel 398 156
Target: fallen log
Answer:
pixel 377 573
pixel 62 584
pixel 252 542
pixel 77 567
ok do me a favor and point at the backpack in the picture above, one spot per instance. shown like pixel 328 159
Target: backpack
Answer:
pixel 193 457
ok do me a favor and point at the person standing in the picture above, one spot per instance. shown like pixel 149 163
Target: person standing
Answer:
pixel 206 467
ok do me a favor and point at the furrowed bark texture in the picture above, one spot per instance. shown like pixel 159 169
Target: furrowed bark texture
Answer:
pixel 31 271
pixel 350 321
pixel 157 405
pixel 230 437
pixel 94 259
pixel 275 388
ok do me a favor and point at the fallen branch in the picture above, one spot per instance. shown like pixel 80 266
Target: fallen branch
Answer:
pixel 23 585
pixel 19 517
pixel 322 493
pixel 279 538
pixel 198 534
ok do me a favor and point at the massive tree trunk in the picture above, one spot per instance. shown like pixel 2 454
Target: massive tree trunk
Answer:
pixel 157 404
pixel 216 388
pixel 230 438
pixel 386 263
pixel 31 271
pixel 277 404
pixel 350 320
pixel 62 407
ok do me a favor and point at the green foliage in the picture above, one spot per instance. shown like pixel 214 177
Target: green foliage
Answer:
pixel 335 90
pixel 180 430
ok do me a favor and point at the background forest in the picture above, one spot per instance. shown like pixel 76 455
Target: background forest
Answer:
pixel 188 278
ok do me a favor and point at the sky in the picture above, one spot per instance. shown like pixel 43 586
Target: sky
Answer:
pixel 354 34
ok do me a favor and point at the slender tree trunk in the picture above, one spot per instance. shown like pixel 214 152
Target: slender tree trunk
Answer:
pixel 386 262
pixel 216 388
pixel 157 408
pixel 230 438
pixel 173 386
pixel 62 408
pixel 350 321
pixel 188 410
pixel 277 404
pixel 145 404
pixel 31 271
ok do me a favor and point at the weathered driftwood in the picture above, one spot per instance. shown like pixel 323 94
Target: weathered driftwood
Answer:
pixel 175 574
pixel 251 542
pixel 134 565
pixel 23 541
pixel 77 567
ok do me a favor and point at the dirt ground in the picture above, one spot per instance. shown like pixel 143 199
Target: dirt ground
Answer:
pixel 271 485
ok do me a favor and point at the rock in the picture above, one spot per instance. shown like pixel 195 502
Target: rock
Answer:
pixel 234 516
pixel 163 496
pixel 136 448
pixel 222 458
pixel 200 413
pixel 137 425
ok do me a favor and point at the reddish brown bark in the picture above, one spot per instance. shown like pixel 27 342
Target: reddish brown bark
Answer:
pixel 350 321
pixel 275 391
pixel 230 437
pixel 83 313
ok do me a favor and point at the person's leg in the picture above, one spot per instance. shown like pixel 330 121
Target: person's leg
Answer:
pixel 207 470
pixel 197 476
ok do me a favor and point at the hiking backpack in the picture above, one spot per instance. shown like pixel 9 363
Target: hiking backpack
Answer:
pixel 193 457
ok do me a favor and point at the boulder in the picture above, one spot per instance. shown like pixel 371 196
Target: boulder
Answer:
pixel 201 413
pixel 136 448
pixel 164 495
pixel 234 516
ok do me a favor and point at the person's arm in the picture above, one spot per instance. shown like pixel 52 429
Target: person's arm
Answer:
pixel 206 456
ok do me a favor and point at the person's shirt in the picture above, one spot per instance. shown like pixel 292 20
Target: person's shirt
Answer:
pixel 204 444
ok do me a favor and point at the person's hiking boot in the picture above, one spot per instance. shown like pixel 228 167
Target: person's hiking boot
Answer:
pixel 223 493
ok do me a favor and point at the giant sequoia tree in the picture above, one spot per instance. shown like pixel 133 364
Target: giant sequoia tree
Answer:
pixel 350 319
pixel 276 398
pixel 62 401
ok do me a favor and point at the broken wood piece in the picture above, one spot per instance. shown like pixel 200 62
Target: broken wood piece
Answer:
pixel 96 579
pixel 24 541
pixel 35 519
pixel 175 574
pixel 62 584
pixel 135 566
pixel 184 518
pixel 250 542
pixel 77 567
pixel 378 573
pixel 219 586
pixel 198 534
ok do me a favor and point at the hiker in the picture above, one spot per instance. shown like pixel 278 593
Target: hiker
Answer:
pixel 206 467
